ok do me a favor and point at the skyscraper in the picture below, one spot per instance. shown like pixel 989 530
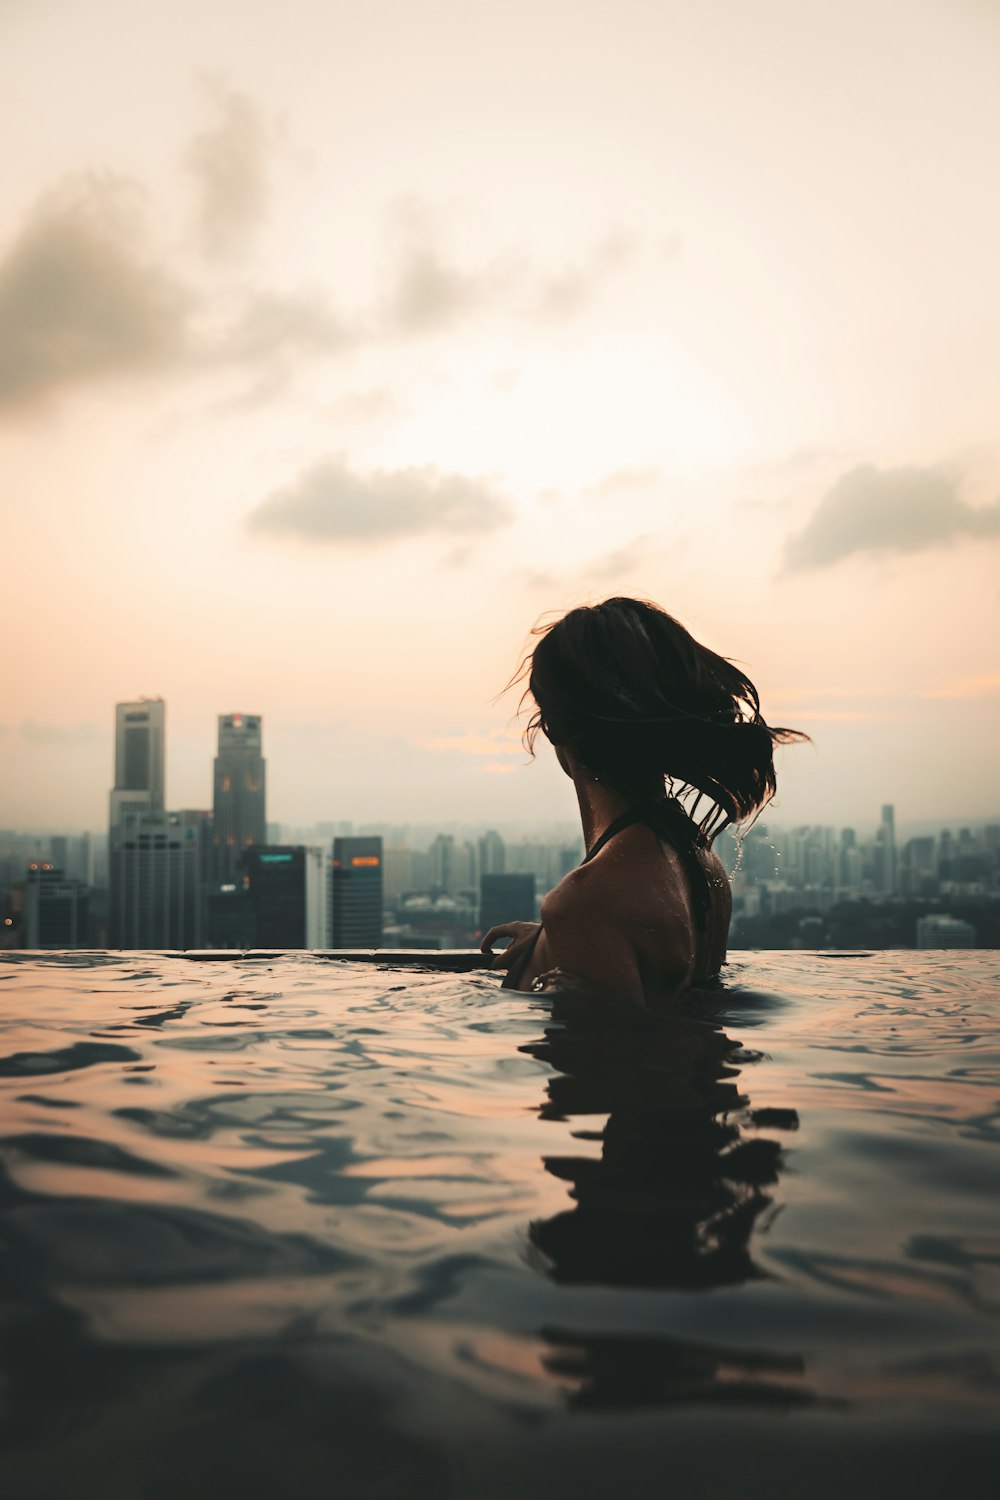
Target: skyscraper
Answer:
pixel 492 854
pixel 505 898
pixel 139 735
pixel 357 893
pixel 239 816
pixel 442 853
pixel 276 879
pixel 885 851
pixel 154 883
pixel 137 795
pixel 55 912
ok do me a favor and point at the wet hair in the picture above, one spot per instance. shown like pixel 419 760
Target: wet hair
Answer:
pixel 643 705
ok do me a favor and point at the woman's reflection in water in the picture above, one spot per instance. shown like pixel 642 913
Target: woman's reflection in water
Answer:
pixel 682 1178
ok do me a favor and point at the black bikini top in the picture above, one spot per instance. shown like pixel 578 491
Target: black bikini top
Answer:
pixel 668 821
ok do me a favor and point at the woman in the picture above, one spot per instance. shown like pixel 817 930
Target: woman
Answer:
pixel 640 715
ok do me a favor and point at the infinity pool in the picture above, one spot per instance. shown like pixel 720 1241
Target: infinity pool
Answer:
pixel 294 1227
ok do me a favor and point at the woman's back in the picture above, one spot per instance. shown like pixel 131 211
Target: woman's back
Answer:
pixel 644 916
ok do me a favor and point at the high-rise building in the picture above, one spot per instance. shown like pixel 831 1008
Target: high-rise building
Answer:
pixel 202 822
pixel 239 816
pixel 505 898
pixel 356 893
pixel 547 862
pixel 155 885
pixel 442 853
pixel 139 778
pixel 397 874
pixel 276 880
pixel 492 854
pixel 885 851
pixel 465 867
pixel 95 871
pixel 280 900
pixel 55 909
pixel 229 918
pixel 72 855
pixel 318 886
pixel 137 797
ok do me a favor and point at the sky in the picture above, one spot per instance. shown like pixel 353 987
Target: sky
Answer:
pixel 340 343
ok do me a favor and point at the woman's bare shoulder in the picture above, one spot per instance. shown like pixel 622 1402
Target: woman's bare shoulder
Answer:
pixel 629 896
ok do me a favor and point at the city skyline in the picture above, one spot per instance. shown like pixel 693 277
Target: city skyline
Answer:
pixel 239 736
pixel 230 877
pixel 327 369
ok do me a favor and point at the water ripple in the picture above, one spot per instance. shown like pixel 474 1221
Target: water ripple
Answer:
pixel 256 1204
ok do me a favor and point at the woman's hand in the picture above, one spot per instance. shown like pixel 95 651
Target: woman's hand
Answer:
pixel 521 934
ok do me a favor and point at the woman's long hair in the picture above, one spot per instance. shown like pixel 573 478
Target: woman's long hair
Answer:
pixel 642 704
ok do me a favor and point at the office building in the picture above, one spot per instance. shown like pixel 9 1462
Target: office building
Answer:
pixel 356 920
pixel 318 883
pixel 505 898
pixel 202 822
pixel 442 854
pixel 229 918
pixel 275 878
pixel 155 883
pixel 55 909
pixel 397 875
pixel 492 854
pixel 95 871
pixel 465 867
pixel 885 852
pixel 239 819
pixel 140 727
pixel 137 795
pixel 71 855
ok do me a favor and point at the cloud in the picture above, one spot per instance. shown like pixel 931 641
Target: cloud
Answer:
pixel 567 293
pixel 228 163
pixel 432 293
pixel 968 687
pixel 362 408
pixel 623 560
pixel 330 503
pixel 280 324
pixel 77 298
pixel 600 570
pixel 624 483
pixel 494 742
pixel 882 510
pixel 533 578
pixel 428 290
pixel 61 734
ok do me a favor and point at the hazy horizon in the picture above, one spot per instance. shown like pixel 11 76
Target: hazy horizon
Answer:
pixel 339 344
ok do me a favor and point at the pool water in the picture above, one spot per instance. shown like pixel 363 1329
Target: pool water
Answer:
pixel 291 1226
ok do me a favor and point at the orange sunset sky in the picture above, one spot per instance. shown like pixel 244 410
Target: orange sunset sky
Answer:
pixel 340 341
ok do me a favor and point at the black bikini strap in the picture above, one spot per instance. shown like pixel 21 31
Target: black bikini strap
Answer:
pixel 668 820
pixel 632 815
